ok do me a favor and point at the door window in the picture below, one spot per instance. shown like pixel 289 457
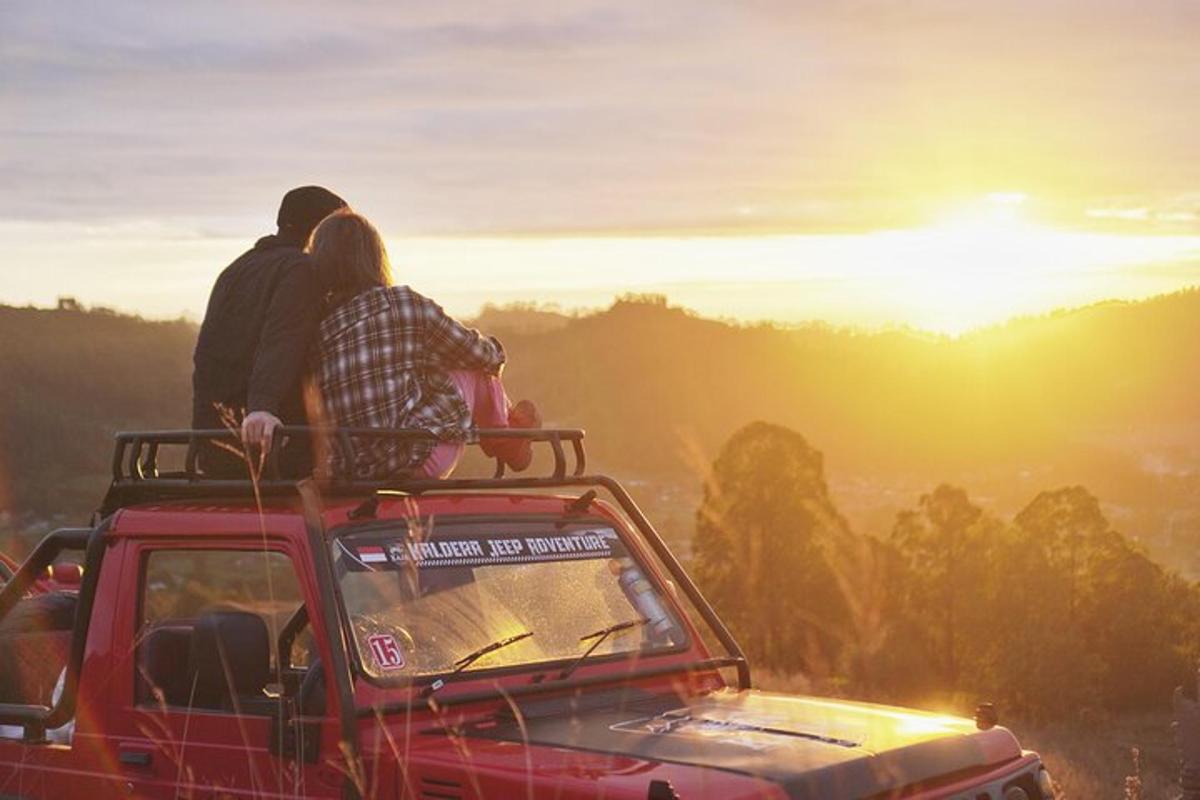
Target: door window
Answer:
pixel 209 628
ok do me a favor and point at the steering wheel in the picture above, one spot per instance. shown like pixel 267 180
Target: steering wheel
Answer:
pixel 410 644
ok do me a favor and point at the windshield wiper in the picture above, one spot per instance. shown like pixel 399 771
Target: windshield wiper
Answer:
pixel 475 655
pixel 600 636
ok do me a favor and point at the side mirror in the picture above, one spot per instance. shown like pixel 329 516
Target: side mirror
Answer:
pixel 66 574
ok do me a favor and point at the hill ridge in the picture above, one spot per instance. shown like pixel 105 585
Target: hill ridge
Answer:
pixel 1104 395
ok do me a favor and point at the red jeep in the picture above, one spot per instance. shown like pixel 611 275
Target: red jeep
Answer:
pixel 465 638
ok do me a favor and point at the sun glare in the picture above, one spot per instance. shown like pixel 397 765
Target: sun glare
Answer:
pixel 989 261
pixel 973 264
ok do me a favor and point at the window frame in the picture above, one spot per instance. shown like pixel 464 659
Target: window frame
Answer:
pixel 146 550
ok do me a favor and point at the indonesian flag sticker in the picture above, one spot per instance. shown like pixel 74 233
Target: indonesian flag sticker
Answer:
pixel 372 554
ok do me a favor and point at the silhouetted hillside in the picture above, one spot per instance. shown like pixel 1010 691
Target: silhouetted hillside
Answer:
pixel 644 372
pixel 70 379
pixel 520 318
pixel 1103 396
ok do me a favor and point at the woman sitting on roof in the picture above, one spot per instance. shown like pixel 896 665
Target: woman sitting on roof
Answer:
pixel 387 357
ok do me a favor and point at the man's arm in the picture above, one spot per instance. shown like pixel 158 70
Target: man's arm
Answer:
pixel 453 345
pixel 287 333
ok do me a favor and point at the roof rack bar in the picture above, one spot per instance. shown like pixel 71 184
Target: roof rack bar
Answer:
pixel 135 457
pixel 580 457
pixel 139 461
pixel 182 435
pixel 131 492
pixel 560 458
pixel 151 461
pixel 136 454
pixel 118 458
pixel 189 460
pixel 180 487
pixel 272 461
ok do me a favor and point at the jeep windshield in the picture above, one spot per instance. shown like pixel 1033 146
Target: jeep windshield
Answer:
pixel 422 601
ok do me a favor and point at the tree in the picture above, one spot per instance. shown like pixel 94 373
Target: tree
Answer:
pixel 1033 660
pixel 943 546
pixel 762 535
pixel 1114 626
pixel 1130 618
pixel 1064 522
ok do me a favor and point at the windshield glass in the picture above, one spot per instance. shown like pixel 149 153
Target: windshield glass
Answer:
pixel 419 601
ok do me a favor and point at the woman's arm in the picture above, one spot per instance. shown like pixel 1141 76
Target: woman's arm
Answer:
pixel 452 345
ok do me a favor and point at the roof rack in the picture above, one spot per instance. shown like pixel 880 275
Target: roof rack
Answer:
pixel 137 476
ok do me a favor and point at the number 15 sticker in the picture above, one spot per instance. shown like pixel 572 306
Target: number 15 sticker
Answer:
pixel 386 652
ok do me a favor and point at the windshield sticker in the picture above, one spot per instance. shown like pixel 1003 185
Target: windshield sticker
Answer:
pixel 371 555
pixel 488 550
pixel 385 651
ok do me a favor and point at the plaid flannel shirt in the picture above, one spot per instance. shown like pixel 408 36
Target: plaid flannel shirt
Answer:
pixel 382 362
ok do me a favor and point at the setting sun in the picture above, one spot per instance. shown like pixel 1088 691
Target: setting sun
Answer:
pixel 985 263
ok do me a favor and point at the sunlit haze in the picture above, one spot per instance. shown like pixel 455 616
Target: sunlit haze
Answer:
pixel 976 265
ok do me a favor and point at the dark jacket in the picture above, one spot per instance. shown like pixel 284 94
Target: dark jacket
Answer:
pixel 261 321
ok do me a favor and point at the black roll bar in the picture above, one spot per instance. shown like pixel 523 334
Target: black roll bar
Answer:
pixel 37 719
pixel 137 477
pixel 677 571
pixel 135 457
pixel 338 671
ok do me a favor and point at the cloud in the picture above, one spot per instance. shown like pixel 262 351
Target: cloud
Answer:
pixel 472 116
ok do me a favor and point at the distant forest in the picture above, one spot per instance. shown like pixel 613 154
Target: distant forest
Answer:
pixel 1053 614
pixel 1104 396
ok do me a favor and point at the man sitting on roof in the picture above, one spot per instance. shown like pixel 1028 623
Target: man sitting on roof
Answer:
pixel 257 332
pixel 387 357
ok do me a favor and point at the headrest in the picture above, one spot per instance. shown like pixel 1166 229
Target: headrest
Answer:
pixel 230 655
pixel 30 664
pixel 166 653
pixel 53 611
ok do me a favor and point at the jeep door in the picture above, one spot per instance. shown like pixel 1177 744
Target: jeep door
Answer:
pixel 207 704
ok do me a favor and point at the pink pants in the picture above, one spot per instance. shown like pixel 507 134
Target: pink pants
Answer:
pixel 485 397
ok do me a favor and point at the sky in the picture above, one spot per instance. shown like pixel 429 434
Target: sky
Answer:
pixel 935 163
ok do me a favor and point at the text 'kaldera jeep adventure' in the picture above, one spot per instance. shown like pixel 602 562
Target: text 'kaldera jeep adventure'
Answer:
pixel 466 638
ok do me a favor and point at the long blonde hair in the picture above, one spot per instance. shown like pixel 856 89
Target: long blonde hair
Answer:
pixel 349 255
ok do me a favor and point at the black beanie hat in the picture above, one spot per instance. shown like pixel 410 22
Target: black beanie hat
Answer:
pixel 302 208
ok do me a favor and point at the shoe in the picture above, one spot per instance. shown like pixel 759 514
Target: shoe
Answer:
pixel 518 453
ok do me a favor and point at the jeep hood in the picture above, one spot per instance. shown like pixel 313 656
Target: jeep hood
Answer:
pixel 810 747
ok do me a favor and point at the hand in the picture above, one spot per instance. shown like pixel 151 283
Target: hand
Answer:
pixel 259 428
